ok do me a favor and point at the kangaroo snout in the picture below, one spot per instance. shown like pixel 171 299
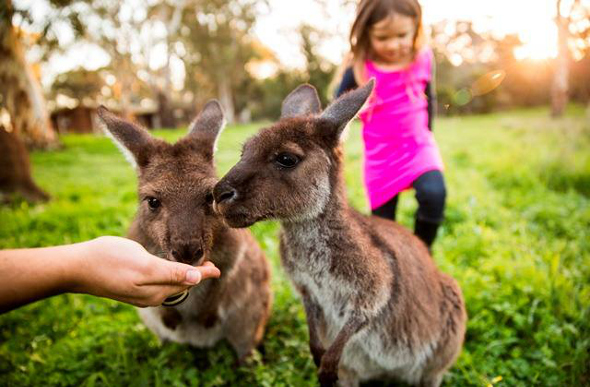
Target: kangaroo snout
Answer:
pixel 189 253
pixel 224 192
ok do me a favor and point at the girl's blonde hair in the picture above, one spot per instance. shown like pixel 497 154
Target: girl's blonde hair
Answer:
pixel 369 13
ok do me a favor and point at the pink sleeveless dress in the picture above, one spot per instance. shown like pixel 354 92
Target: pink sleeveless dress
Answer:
pixel 399 147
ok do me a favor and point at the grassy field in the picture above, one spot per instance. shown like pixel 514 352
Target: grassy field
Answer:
pixel 516 237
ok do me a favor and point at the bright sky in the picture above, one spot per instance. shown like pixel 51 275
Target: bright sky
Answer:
pixel 532 20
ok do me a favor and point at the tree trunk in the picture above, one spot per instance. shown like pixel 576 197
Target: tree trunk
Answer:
pixel 167 119
pixel 21 97
pixel 165 111
pixel 125 83
pixel 225 98
pixel 15 170
pixel 20 92
pixel 559 90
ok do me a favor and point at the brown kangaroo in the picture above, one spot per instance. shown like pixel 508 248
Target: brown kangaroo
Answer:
pixel 176 221
pixel 377 307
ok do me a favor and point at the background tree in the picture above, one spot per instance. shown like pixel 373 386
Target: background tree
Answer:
pixel 264 96
pixel 579 28
pixel 22 100
pixel 170 14
pixel 318 70
pixel 470 66
pixel 15 170
pixel 573 40
pixel 559 90
pixel 21 95
pixel 115 31
pixel 80 84
pixel 218 43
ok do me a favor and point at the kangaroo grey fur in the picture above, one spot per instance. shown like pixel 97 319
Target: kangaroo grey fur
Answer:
pixel 185 228
pixel 376 305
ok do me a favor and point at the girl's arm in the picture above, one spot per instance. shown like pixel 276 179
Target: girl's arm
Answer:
pixel 111 267
pixel 431 95
pixel 347 83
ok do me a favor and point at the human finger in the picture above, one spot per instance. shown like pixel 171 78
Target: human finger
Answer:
pixel 208 271
pixel 163 272
pixel 174 273
pixel 160 293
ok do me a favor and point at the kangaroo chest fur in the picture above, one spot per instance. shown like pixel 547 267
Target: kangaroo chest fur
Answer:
pixel 194 321
pixel 372 353
pixel 306 259
pixel 182 323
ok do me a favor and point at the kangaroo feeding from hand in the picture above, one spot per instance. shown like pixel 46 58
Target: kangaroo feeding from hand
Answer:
pixel 175 220
pixel 376 305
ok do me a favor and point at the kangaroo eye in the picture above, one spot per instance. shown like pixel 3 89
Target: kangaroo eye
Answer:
pixel 153 202
pixel 286 160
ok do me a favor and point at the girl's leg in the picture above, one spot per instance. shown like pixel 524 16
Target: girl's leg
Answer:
pixel 431 194
pixel 387 210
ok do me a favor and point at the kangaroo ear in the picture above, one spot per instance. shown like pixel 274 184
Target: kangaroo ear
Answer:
pixel 134 141
pixel 207 126
pixel 345 108
pixel 302 101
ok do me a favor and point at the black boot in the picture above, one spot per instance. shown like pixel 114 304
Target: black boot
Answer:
pixel 426 231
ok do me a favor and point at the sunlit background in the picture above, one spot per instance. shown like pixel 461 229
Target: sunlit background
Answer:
pixel 276 27
pixel 164 58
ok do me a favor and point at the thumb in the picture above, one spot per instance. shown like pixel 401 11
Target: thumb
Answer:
pixel 208 270
pixel 173 273
pixel 196 274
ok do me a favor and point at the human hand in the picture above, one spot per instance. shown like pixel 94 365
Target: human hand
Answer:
pixel 123 270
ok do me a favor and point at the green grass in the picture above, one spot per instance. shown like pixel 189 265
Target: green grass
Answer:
pixel 516 237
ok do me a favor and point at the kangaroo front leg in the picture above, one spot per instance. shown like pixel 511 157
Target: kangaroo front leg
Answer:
pixel 328 374
pixel 315 318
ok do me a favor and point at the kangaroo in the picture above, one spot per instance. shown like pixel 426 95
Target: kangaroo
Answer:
pixel 377 307
pixel 175 220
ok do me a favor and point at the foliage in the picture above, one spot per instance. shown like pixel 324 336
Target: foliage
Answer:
pixel 218 40
pixel 79 84
pixel 465 56
pixel 318 72
pixel 580 87
pixel 516 237
pixel 215 42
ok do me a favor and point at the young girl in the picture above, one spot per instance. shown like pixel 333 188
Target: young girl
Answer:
pixel 400 150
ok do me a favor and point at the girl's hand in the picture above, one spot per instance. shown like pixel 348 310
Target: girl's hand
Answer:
pixel 123 270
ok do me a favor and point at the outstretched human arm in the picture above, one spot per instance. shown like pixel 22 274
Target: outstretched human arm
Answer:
pixel 111 267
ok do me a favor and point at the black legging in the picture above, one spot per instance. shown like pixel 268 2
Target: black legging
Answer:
pixel 431 194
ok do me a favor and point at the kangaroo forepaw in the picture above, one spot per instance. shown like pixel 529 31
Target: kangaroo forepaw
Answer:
pixel 207 320
pixel 327 378
pixel 317 354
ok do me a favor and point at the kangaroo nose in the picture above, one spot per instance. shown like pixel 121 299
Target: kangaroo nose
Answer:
pixel 187 254
pixel 227 195
pixel 223 192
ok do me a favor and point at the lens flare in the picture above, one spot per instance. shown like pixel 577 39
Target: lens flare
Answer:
pixel 462 97
pixel 487 82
